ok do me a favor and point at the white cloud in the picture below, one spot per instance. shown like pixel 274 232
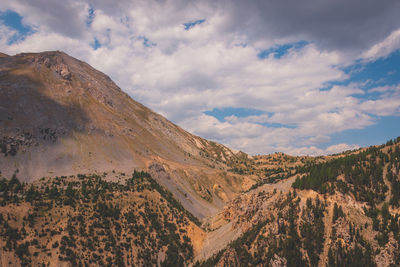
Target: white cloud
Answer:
pixel 314 151
pixel 64 17
pixel 39 42
pixel 255 138
pixel 5 35
pixel 383 107
pixel 384 48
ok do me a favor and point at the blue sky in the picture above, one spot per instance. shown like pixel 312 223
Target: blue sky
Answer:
pixel 385 128
pixel 191 24
pixel 279 51
pixel 13 21
pixel 258 77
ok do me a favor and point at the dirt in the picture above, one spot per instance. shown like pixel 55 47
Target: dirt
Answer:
pixel 217 240
pixel 327 235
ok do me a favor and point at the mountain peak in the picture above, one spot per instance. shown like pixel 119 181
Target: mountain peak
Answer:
pixel 63 117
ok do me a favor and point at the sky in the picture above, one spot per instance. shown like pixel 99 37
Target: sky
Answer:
pixel 302 77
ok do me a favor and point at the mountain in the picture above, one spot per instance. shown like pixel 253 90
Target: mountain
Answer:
pixel 60 116
pixel 340 210
pixel 90 177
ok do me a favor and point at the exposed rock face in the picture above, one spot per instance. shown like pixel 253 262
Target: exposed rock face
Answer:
pixel 57 64
pixel 278 262
pixel 10 145
pixel 248 209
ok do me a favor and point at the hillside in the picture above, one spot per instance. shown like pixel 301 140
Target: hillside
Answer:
pixel 87 220
pixel 320 216
pixel 341 210
pixel 61 117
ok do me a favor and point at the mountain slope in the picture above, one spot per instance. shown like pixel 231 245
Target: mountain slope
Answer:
pixel 62 117
pixel 342 210
pixel 51 98
pixel 87 220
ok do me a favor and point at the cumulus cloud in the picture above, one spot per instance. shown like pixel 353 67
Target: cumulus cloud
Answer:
pixel 5 35
pixel 388 104
pixel 384 48
pixel 314 151
pixel 257 139
pixel 181 72
pixel 64 17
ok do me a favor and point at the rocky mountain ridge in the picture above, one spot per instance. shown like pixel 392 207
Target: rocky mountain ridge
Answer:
pixel 62 117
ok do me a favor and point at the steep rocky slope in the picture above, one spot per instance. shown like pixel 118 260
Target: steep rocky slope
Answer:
pixel 53 102
pixel 59 116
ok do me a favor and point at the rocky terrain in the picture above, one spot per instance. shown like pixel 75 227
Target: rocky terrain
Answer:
pixel 62 117
pixel 90 177
pixel 341 210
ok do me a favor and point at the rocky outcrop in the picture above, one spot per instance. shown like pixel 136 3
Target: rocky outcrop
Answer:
pixel 10 145
pixel 278 262
pixel 248 209
pixel 20 141
pixel 56 63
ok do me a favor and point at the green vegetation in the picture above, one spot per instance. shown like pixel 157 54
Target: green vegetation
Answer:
pixel 88 220
pixel 384 223
pixel 354 252
pixel 351 256
pixel 312 229
pixel 164 193
pixel 360 174
pixel 10 190
pixel 337 212
pixel 259 245
pixel 393 173
pixel 106 223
